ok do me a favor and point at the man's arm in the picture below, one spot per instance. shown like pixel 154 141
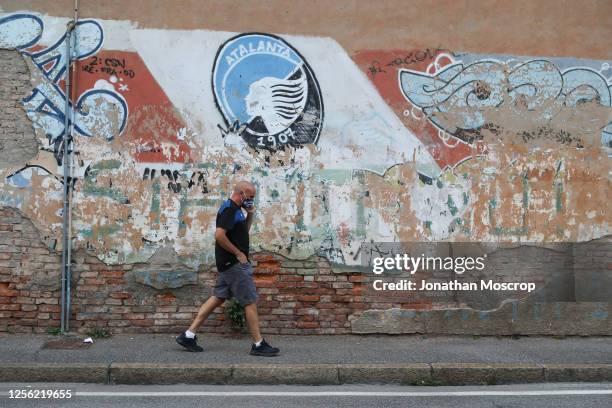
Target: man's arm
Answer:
pixel 250 217
pixel 223 240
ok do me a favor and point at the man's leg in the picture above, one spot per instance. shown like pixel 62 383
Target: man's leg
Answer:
pixel 187 339
pixel 260 347
pixel 252 318
pixel 249 297
pixel 244 290
pixel 205 310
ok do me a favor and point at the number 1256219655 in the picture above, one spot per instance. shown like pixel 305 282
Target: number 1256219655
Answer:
pixel 40 394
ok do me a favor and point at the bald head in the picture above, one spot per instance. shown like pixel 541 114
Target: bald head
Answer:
pixel 243 190
pixel 245 186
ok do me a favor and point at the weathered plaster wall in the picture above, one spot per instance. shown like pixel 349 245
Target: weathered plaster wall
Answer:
pixel 392 136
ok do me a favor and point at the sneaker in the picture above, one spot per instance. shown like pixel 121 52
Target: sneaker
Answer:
pixel 264 350
pixel 189 344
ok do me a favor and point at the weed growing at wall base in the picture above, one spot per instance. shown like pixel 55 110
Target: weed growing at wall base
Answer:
pixel 234 312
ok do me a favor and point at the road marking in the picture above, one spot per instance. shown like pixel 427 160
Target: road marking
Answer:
pixel 341 393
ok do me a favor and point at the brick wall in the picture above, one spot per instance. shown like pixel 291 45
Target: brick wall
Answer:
pixel 593 270
pixel 295 297
pixel 17 141
pixel 24 259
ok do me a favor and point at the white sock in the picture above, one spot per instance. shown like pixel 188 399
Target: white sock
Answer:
pixel 189 334
pixel 258 343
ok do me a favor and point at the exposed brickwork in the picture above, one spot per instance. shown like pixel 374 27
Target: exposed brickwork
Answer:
pixel 17 141
pixel 24 259
pixel 593 270
pixel 295 297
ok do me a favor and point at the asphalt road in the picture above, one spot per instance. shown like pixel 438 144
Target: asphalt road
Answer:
pixel 590 395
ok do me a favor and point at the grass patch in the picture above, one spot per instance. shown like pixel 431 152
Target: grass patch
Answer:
pixel 98 333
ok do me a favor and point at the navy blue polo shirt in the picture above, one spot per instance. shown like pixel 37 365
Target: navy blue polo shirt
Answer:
pixel 231 218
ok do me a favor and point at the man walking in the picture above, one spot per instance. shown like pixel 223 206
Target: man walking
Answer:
pixel 235 271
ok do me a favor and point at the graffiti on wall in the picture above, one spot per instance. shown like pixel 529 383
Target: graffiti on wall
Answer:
pixel 456 97
pixel 454 101
pixel 97 111
pixel 410 145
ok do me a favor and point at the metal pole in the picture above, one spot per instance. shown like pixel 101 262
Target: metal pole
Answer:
pixel 71 173
pixel 66 142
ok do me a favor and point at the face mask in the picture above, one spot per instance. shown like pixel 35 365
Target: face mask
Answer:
pixel 247 203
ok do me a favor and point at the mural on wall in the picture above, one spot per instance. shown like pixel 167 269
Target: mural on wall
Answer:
pixel 263 85
pixel 380 146
pixel 521 160
pixel 383 67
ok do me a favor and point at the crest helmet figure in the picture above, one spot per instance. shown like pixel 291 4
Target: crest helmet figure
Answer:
pixel 279 102
pixel 264 86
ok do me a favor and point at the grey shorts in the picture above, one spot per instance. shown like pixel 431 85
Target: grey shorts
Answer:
pixel 237 282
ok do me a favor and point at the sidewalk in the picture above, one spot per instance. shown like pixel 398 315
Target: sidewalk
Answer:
pixel 157 359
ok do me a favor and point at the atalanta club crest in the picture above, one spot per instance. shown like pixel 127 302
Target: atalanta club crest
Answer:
pixel 264 86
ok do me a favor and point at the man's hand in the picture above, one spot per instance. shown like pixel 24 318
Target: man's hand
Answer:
pixel 250 215
pixel 241 257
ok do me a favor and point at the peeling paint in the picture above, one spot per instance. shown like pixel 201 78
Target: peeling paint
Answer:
pixel 509 160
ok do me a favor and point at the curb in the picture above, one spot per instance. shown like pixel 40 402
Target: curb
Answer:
pixel 55 372
pixel 305 374
pixel 164 373
pixel 470 373
pixel 270 374
pixel 384 373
